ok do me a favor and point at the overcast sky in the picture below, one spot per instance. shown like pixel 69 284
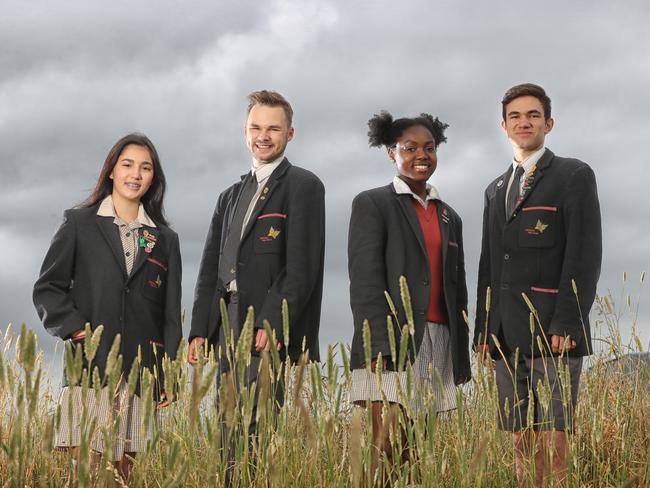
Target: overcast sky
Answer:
pixel 76 76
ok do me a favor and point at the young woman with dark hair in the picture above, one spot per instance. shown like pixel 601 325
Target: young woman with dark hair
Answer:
pixel 405 229
pixel 115 262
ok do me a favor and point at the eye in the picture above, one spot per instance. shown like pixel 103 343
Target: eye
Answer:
pixel 410 149
pixel 430 149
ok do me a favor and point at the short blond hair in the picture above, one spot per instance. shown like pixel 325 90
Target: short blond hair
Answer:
pixel 270 99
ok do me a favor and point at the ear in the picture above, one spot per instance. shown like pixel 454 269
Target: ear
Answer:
pixel 391 153
pixel 290 134
pixel 503 126
pixel 549 125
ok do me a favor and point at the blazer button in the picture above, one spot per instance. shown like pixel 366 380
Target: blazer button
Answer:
pixel 506 256
pixel 425 282
pixel 126 290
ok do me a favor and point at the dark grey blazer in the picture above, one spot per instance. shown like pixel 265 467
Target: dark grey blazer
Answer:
pixel 553 237
pixel 286 263
pixel 83 279
pixel 385 242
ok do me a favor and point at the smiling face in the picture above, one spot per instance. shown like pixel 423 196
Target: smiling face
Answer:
pixel 132 174
pixel 414 155
pixel 526 125
pixel 267 132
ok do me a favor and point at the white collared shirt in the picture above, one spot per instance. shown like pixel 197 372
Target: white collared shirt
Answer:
pixel 401 187
pixel 107 209
pixel 529 164
pixel 262 174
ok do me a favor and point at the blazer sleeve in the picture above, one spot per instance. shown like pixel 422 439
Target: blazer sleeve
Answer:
pixel 461 304
pixel 305 245
pixel 367 269
pixel 173 331
pixel 481 328
pixel 51 294
pixel 206 283
pixel 582 255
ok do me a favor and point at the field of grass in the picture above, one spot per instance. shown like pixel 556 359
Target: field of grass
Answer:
pixel 318 439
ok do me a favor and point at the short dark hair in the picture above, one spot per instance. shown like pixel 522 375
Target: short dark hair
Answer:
pixel 527 90
pixel 152 201
pixel 384 131
pixel 270 99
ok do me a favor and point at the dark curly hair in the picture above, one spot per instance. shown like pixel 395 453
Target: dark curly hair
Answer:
pixel 384 131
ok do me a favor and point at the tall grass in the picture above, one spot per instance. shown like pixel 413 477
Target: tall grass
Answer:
pixel 317 439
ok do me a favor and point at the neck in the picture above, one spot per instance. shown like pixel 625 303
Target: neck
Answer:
pixel 521 155
pixel 417 187
pixel 127 210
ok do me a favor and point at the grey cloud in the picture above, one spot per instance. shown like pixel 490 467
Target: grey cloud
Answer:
pixel 86 74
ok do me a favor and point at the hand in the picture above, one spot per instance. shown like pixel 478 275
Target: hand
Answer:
pixel 483 355
pixel 80 334
pixel 164 401
pixel 262 342
pixel 559 344
pixel 196 343
pixel 373 364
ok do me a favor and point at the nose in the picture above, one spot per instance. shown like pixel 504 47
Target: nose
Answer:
pixel 264 135
pixel 420 153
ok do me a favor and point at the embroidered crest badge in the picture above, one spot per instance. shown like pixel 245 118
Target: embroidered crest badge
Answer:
pixel 273 233
pixel 540 226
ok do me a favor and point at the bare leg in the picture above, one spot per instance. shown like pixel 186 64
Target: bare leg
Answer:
pixel 125 466
pixel 95 465
pixel 554 447
pixel 382 427
pixel 526 449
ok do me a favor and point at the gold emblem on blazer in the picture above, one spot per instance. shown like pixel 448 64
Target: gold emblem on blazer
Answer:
pixel 540 226
pixel 273 233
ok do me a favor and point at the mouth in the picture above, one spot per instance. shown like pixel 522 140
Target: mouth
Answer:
pixel 263 147
pixel 133 186
pixel 421 167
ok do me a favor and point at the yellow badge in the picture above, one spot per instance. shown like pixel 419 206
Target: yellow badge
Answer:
pixel 540 227
pixel 273 233
pixel 158 281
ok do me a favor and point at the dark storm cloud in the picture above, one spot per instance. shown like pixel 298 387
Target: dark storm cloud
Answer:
pixel 75 77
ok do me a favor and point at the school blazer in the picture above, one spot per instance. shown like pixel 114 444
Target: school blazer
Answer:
pixel 385 241
pixel 280 256
pixel 553 239
pixel 83 280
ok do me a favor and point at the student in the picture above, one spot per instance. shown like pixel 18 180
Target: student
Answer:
pixel 405 229
pixel 541 237
pixel 114 261
pixel 265 244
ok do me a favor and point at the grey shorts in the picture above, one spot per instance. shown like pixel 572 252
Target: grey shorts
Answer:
pixel 540 393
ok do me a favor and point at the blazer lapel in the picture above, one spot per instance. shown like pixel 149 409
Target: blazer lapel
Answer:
pixel 412 218
pixel 502 185
pixel 111 234
pixel 142 255
pixel 536 177
pixel 265 195
pixel 443 222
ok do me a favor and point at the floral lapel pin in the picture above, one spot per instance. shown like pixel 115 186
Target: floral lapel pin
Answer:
pixel 147 241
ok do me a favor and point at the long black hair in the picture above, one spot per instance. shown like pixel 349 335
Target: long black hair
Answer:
pixel 153 199
pixel 384 131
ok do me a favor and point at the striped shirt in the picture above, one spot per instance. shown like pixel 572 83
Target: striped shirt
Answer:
pixel 129 232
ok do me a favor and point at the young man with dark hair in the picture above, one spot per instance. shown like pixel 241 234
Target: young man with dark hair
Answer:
pixel 265 244
pixel 540 263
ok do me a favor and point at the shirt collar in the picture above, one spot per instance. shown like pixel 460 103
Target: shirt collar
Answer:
pixel 107 209
pixel 263 171
pixel 530 161
pixel 401 188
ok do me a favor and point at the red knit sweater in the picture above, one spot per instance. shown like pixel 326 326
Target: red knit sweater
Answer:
pixel 437 310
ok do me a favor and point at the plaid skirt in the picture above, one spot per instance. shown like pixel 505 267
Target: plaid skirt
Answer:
pixel 433 377
pixel 113 413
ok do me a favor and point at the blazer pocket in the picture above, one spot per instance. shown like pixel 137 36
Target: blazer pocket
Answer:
pixel 537 226
pixel 269 233
pixel 155 279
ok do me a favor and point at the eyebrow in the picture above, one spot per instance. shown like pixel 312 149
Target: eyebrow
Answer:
pixel 408 141
pixel 132 161
pixel 517 112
